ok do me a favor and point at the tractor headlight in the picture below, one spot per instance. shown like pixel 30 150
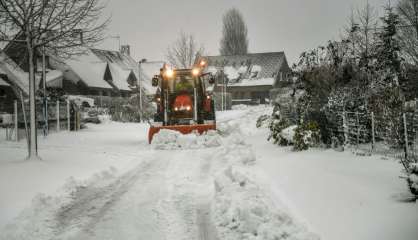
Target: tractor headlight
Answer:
pixel 169 73
pixel 176 109
pixel 195 72
pixel 188 108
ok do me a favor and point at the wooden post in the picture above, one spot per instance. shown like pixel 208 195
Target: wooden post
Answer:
pixel 345 129
pixel 68 116
pixel 358 129
pixel 373 136
pixel 58 115
pixel 75 120
pixel 406 136
pixel 16 122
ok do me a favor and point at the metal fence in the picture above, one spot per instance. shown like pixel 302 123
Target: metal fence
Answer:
pixel 62 116
pixel 369 133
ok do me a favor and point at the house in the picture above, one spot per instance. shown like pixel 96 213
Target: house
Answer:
pixel 249 78
pixel 97 72
pixel 7 95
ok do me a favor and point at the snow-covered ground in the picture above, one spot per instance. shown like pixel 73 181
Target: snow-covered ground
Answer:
pixel 106 182
pixel 340 195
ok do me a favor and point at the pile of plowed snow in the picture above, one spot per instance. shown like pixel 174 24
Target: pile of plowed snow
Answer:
pixel 170 140
pixel 242 210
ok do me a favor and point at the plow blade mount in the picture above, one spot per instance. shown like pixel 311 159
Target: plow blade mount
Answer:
pixel 184 129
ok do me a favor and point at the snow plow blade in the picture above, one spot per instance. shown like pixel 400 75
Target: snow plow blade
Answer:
pixel 184 129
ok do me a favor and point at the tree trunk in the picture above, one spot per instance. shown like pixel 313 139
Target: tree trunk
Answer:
pixel 33 148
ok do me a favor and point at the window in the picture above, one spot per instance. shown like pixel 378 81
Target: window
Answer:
pixel 2 93
pixel 182 83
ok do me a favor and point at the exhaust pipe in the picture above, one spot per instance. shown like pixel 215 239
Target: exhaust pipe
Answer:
pixel 195 105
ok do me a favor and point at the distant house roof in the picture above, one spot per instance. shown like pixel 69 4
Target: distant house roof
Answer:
pixel 254 82
pixel 89 69
pixel 2 45
pixel 21 79
pixel 2 82
pixel 119 69
pixel 120 76
pixel 253 69
pixel 14 73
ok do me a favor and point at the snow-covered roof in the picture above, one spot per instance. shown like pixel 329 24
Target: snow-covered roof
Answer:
pixel 3 44
pixel 255 69
pixel 268 63
pixel 231 72
pixel 120 76
pixel 253 82
pixel 53 78
pixel 90 70
pixel 2 82
pixel 16 75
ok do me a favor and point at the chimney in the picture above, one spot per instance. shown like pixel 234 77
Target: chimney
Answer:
pixel 125 49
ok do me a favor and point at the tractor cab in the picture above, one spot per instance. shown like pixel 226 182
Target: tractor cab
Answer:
pixel 182 101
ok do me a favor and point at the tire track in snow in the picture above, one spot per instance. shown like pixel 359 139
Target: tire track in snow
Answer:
pixel 95 211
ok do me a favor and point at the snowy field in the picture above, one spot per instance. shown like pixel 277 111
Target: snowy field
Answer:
pixel 106 182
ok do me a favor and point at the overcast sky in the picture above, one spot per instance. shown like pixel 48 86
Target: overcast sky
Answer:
pixel 292 26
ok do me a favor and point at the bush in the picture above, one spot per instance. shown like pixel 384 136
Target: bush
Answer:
pixel 306 135
pixel 127 109
pixel 262 121
pixel 412 178
pixel 276 127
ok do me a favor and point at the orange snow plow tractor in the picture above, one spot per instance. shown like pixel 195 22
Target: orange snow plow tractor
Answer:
pixel 183 104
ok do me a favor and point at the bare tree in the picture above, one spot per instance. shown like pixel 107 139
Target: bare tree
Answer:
pixel 367 18
pixel 184 51
pixel 351 34
pixel 234 34
pixel 408 32
pixel 62 26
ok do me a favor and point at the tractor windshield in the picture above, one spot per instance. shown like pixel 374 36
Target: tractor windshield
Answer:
pixel 183 83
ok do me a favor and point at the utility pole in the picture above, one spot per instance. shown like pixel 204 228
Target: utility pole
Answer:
pixel 140 88
pixel 44 90
pixel 222 91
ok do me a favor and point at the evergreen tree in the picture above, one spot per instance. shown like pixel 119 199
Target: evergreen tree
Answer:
pixel 388 49
pixel 234 34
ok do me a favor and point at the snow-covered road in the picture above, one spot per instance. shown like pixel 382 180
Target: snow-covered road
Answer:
pixel 122 188
pixel 106 182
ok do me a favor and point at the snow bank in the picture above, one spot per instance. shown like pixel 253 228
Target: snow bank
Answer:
pixel 171 140
pixel 239 107
pixel 242 210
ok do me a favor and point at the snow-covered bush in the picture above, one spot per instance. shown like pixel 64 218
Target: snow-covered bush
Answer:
pixel 276 127
pixel 306 135
pixel 263 121
pixel 413 178
pixel 128 109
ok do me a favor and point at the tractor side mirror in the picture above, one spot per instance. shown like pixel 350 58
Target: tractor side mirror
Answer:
pixel 211 79
pixel 155 81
